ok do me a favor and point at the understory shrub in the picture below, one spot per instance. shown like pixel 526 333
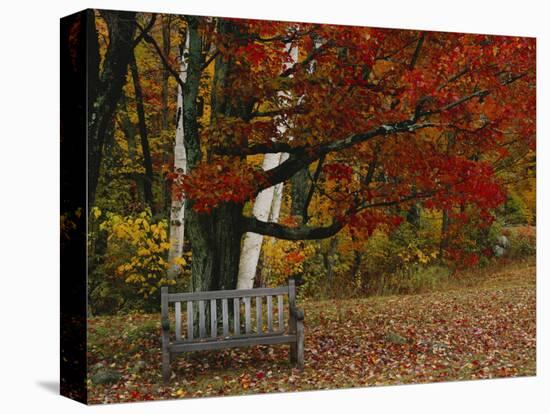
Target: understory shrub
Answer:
pixel 522 240
pixel 128 264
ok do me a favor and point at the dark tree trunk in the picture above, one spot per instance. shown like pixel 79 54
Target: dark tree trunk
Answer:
pixel 167 144
pixel 300 184
pixel 129 131
pixel 105 87
pixel 446 219
pixel 215 237
pixel 165 74
pixel 190 93
pixel 444 241
pixel 413 215
pixel 147 162
pixel 216 243
pixel 303 187
pixel 357 259
pixel 328 258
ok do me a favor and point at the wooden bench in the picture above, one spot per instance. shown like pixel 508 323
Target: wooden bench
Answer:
pixel 197 338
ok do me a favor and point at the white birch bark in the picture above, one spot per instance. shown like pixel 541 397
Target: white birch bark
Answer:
pixel 177 208
pixel 252 243
pixel 266 208
pixel 277 196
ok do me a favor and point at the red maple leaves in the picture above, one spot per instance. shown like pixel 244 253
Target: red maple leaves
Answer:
pixel 475 93
pixel 221 182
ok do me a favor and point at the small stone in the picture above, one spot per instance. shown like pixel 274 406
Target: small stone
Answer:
pixel 106 377
pixel 139 366
pixel 503 241
pixel 498 251
pixel 439 347
pixel 395 338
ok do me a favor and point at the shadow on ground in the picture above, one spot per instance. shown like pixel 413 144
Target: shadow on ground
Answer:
pixel 51 386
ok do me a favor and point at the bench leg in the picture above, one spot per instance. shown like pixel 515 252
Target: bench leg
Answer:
pixel 300 345
pixel 166 367
pixel 293 352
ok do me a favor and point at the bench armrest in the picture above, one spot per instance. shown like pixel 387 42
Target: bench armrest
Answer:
pixel 298 313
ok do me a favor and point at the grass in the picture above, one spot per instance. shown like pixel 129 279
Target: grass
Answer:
pixel 478 324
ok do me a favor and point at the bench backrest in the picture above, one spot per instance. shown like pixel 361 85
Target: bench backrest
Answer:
pixel 241 303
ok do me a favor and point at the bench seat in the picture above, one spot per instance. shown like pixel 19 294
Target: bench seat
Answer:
pixel 223 319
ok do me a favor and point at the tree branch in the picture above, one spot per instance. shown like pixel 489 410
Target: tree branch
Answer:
pixel 416 53
pixel 144 30
pixel 252 224
pixel 304 156
pixel 151 40
pixel 314 179
pixel 314 53
pixel 210 59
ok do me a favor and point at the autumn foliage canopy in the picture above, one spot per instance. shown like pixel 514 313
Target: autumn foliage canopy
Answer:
pixel 396 116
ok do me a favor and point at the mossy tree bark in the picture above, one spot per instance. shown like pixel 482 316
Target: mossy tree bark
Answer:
pixel 105 86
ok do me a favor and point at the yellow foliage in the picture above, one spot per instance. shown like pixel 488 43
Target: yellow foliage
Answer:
pixel 146 267
pixel 284 258
pixel 96 212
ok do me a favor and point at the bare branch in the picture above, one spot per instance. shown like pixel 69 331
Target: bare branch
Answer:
pixel 210 59
pixel 151 40
pixel 144 31
pixel 416 53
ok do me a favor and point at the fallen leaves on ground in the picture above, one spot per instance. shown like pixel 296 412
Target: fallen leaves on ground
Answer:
pixel 485 329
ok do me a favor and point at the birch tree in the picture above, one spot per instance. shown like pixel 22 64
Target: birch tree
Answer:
pixel 177 208
pixel 252 243
pixel 266 208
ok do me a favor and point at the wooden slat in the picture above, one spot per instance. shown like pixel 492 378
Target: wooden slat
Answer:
pixel 247 314
pixel 236 316
pixel 258 314
pixel 225 317
pixel 213 319
pixel 189 319
pixel 280 312
pixel 232 343
pixel 220 294
pixel 177 309
pixel 269 314
pixel 221 338
pixel 202 324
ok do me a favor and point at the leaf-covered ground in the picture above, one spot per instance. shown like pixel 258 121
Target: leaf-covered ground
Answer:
pixel 480 326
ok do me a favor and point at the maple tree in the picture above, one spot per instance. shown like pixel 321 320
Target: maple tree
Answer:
pixel 397 116
pixel 370 124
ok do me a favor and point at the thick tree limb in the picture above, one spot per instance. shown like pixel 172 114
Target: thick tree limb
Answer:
pixel 252 224
pixel 304 156
pixel 279 231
